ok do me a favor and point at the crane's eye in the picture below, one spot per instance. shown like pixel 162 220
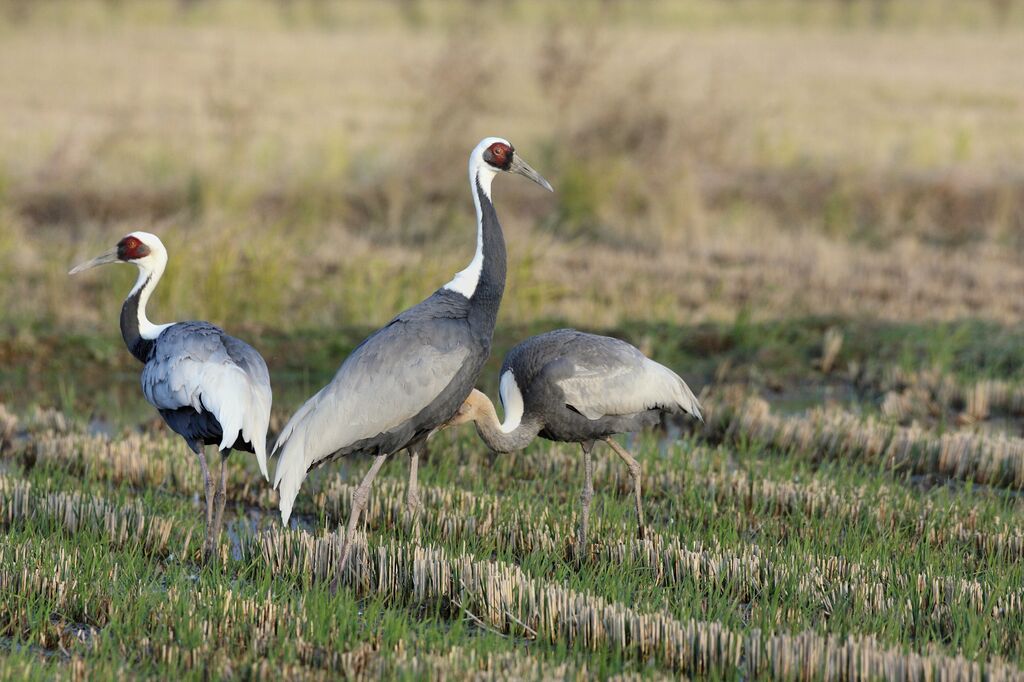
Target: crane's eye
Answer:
pixel 499 155
pixel 131 248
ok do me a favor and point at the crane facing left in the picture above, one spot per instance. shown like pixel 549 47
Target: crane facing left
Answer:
pixel 209 387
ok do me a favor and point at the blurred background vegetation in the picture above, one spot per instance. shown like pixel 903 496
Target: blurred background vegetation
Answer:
pixel 731 163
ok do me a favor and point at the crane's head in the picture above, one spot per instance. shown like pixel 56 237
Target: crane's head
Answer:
pixel 496 155
pixel 142 249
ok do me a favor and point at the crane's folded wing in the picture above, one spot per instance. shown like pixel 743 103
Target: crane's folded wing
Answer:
pixel 197 365
pixel 611 377
pixel 386 381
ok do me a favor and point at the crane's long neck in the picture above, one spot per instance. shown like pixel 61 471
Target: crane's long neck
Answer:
pixel 136 329
pixel 515 434
pixel 483 280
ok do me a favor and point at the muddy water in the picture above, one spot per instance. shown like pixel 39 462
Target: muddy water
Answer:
pixel 253 520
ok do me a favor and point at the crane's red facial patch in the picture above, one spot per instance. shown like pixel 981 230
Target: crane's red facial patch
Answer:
pixel 131 248
pixel 499 155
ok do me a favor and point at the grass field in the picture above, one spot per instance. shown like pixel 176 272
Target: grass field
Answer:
pixel 780 543
pixel 864 523
pixel 814 211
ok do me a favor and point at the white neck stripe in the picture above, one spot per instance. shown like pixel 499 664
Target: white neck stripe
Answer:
pixel 511 402
pixel 466 280
pixel 147 281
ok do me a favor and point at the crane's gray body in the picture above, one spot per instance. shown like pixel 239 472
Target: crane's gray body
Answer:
pixel 432 353
pixel 210 388
pixel 173 381
pixel 581 387
pixel 406 379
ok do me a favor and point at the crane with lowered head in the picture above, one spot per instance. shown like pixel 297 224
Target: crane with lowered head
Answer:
pixel 570 386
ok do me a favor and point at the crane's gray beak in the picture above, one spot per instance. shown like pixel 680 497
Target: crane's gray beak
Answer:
pixel 108 257
pixel 520 167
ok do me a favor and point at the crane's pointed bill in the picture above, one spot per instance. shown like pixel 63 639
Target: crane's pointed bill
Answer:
pixel 522 168
pixel 108 257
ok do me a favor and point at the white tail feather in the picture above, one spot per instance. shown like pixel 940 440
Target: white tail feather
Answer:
pixel 292 464
pixel 675 387
pixel 288 491
pixel 240 408
pixel 290 473
pixel 255 428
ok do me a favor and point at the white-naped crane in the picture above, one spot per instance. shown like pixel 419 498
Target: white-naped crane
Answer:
pixel 410 377
pixel 210 388
pixel 574 387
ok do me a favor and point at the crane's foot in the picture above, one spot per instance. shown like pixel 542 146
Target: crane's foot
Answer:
pixel 346 554
pixel 209 537
pixel 208 544
pixel 219 502
pixel 340 568
pixel 583 529
pixel 581 548
pixel 207 485
pixel 414 504
pixel 360 498
pixel 358 504
pixel 635 473
pixel 414 513
pixel 586 497
pixel 215 530
pixel 209 500
pixel 216 524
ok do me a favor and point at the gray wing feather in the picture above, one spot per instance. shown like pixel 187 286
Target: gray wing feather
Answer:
pixel 601 376
pixel 386 381
pixel 246 357
pixel 197 365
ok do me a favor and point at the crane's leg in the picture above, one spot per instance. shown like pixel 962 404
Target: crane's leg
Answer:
pixel 413 502
pixel 359 500
pixel 208 489
pixel 219 501
pixel 586 495
pixel 634 473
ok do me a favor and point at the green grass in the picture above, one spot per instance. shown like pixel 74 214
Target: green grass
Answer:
pixel 863 560
pixel 138 603
pixel 736 549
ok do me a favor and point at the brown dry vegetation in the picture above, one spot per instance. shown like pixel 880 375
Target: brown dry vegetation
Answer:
pixel 307 169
